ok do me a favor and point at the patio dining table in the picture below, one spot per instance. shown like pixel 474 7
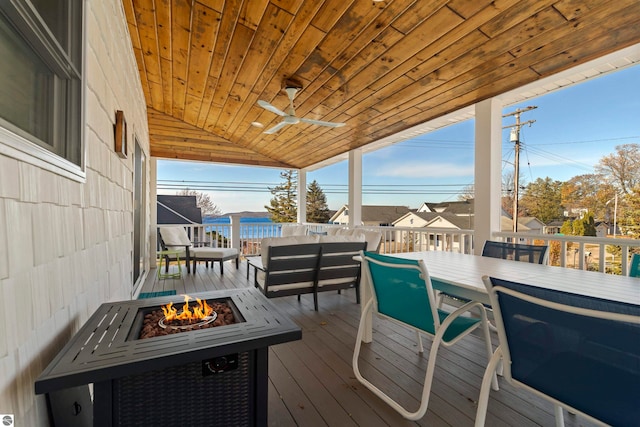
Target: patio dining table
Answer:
pixel 461 275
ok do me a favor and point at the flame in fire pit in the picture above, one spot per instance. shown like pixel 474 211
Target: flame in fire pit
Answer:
pixel 199 312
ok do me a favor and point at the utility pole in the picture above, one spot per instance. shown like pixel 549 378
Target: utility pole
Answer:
pixel 515 138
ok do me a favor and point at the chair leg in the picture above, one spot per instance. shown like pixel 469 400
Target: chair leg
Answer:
pixel 221 267
pixel 419 339
pixel 428 379
pixel 557 409
pixel 238 262
pixel 484 324
pixel 485 390
pixel 315 300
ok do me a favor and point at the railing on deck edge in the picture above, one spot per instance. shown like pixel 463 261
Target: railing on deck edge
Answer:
pixel 581 252
pixel 565 251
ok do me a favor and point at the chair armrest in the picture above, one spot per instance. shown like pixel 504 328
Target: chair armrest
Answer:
pixel 256 262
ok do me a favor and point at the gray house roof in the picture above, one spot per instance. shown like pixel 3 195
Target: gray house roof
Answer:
pixel 463 207
pixel 178 210
pixel 378 214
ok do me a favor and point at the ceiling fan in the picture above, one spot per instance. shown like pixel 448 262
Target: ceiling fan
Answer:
pixel 290 117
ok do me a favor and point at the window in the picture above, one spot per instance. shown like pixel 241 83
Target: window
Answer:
pixel 41 81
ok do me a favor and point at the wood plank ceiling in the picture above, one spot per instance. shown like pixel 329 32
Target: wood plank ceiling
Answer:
pixel 380 67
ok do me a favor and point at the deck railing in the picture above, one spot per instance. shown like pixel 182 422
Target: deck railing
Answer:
pixel 605 255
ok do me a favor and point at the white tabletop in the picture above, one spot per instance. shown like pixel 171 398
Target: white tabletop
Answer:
pixel 461 274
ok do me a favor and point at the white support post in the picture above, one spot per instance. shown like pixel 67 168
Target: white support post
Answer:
pixel 302 196
pixel 355 188
pixel 235 230
pixel 153 201
pixel 488 171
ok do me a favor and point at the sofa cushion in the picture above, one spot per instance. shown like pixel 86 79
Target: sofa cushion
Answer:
pixel 342 238
pixel 293 230
pixel 283 241
pixel 372 237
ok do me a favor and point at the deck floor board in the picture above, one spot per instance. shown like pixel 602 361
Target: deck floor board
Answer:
pixel 311 381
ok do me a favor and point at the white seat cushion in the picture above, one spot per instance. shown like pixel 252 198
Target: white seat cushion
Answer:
pixel 214 253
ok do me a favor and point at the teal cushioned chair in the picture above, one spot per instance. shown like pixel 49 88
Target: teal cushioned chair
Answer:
pixel 634 271
pixel 401 292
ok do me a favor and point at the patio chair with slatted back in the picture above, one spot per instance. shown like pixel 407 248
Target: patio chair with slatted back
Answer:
pixel 535 254
pixel 579 352
pixel 634 270
pixel 177 237
pixel 401 292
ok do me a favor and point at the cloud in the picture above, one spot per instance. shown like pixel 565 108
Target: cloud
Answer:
pixel 425 170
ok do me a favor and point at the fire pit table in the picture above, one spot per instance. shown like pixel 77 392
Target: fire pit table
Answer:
pixel 210 376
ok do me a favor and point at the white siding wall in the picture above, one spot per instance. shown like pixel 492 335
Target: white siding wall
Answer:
pixel 66 246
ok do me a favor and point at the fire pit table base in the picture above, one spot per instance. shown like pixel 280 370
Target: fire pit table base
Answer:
pixel 188 395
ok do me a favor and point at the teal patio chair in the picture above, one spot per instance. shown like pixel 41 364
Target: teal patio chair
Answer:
pixel 401 292
pixel 634 270
pixel 579 352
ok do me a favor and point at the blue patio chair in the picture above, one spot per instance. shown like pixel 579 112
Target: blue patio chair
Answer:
pixel 579 352
pixel 634 270
pixel 402 293
pixel 535 254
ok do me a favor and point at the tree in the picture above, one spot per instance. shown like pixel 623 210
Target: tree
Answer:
pixel 631 216
pixel 467 193
pixel 567 228
pixel 622 168
pixel 317 209
pixel 283 207
pixel 588 225
pixel 543 200
pixel 203 201
pixel 508 184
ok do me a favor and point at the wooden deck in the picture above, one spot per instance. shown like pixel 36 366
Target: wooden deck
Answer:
pixel 312 381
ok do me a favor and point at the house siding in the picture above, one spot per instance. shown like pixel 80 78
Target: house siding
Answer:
pixel 66 246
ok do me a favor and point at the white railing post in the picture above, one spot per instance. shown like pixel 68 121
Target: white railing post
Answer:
pixel 235 231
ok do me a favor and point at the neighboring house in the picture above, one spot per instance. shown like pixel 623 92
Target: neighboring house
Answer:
pixel 576 213
pixel 553 227
pixel 435 220
pixel 602 229
pixel 178 210
pixel 372 215
pixel 464 207
pixel 533 224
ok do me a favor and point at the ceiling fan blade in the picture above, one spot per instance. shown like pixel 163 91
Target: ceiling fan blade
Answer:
pixel 276 128
pixel 322 123
pixel 269 107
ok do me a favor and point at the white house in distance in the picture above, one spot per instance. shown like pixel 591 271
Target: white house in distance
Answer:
pixel 372 215
pixel 457 215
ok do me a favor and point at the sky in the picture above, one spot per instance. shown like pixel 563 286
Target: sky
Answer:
pixel 574 128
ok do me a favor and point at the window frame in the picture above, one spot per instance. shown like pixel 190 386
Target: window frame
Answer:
pixel 68 139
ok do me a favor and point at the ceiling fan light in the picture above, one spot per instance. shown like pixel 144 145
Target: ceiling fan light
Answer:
pixel 257 124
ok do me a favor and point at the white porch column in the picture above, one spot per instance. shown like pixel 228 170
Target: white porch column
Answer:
pixel 355 188
pixel 302 195
pixel 153 206
pixel 235 231
pixel 488 171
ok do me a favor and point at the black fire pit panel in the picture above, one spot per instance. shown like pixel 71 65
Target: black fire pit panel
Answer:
pixel 101 352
